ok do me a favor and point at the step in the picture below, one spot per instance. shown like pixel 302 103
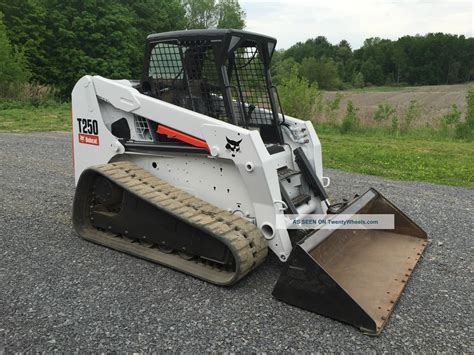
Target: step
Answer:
pixel 300 199
pixel 286 173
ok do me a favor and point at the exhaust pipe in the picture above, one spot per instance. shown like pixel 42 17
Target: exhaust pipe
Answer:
pixel 354 276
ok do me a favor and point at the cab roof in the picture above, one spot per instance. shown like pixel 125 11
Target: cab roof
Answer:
pixel 210 34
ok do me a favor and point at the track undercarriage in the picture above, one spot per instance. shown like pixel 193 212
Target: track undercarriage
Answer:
pixel 122 206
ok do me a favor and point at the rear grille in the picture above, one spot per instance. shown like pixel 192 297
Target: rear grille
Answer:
pixel 142 129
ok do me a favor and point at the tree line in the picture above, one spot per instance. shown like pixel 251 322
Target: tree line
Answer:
pixel 432 59
pixel 55 42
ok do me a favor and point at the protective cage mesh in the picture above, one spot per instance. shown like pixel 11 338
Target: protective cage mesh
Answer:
pixel 185 74
pixel 250 92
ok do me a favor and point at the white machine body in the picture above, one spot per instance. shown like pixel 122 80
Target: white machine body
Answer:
pixel 243 181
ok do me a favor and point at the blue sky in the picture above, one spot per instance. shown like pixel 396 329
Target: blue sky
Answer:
pixel 297 20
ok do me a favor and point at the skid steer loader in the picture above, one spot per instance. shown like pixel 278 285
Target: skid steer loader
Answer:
pixel 196 166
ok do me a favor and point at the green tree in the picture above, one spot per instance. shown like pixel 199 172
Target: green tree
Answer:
pixel 283 68
pixel 64 40
pixel 372 72
pixel 203 14
pixel 358 80
pixel 88 37
pixel 13 64
pixel 230 14
pixel 308 69
pixel 322 71
pixel 200 14
pixel 276 59
pixel 344 60
pixel 152 16
pixel 400 60
pixel 314 47
pixel 24 20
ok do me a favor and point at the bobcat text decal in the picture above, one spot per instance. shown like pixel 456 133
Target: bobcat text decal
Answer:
pixel 233 146
pixel 88 131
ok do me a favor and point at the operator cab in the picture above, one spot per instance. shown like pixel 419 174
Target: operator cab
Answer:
pixel 220 73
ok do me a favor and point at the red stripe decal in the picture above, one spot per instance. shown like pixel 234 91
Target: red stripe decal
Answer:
pixel 72 139
pixel 183 137
pixel 88 139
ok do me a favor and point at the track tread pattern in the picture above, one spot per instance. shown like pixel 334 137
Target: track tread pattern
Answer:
pixel 241 236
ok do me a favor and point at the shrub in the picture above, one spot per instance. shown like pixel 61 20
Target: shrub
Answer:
pixel 412 113
pixel 462 131
pixel 350 120
pixel 298 96
pixel 450 120
pixel 282 69
pixel 470 107
pixel 331 107
pixel 30 94
pixel 38 94
pixel 384 112
pixel 394 125
pixel 465 130
pixel 452 117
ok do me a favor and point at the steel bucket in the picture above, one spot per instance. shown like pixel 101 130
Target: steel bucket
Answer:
pixel 355 276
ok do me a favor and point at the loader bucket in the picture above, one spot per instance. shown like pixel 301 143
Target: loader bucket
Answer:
pixel 355 276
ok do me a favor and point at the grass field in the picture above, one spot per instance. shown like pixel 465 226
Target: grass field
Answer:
pixel 36 119
pixel 418 156
pixel 404 158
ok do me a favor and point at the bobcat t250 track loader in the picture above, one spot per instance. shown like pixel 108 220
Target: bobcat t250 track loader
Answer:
pixel 195 166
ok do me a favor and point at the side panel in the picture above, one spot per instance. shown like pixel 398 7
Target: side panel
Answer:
pixel 93 144
pixel 298 133
pixel 128 99
pixel 217 181
pixel 302 134
pixel 258 170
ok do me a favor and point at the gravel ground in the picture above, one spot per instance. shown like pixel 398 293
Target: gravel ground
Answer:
pixel 59 292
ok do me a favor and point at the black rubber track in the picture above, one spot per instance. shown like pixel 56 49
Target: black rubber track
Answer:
pixel 244 240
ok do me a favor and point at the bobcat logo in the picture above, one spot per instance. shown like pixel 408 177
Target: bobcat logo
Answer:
pixel 233 146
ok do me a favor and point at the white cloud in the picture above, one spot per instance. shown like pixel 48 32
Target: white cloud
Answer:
pixel 297 20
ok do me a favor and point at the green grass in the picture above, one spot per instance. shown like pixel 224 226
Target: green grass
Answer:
pixel 446 162
pixel 55 117
pixel 418 155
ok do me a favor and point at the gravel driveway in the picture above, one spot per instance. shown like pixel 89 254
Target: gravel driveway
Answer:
pixel 60 292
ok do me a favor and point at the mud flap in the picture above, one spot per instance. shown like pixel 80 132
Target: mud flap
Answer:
pixel 355 276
